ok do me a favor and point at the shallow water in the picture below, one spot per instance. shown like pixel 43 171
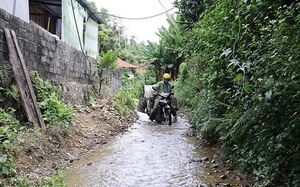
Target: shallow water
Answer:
pixel 147 155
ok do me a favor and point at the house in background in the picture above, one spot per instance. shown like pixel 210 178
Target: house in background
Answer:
pixel 130 67
pixel 63 18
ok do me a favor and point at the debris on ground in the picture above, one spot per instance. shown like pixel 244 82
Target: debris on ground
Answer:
pixel 40 153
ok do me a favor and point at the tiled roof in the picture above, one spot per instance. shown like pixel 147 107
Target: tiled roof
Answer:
pixel 122 63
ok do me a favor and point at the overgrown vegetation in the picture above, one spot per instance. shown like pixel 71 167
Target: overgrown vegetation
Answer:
pixel 8 127
pixel 106 61
pixel 130 91
pixel 241 79
pixel 57 115
pixel 112 36
pixel 131 87
pixel 12 125
pixel 54 111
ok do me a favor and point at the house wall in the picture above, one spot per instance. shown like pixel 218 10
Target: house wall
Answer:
pixel 55 61
pixel 19 8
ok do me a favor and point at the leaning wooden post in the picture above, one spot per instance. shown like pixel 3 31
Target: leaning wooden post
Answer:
pixel 22 77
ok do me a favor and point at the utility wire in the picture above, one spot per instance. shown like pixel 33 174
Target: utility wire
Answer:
pixel 165 9
pixel 120 17
pixel 161 4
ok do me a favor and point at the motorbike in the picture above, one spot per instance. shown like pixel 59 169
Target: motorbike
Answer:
pixel 164 108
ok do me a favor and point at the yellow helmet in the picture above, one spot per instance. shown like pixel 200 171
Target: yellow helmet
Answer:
pixel 166 76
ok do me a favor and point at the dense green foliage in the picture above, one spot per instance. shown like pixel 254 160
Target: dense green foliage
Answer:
pixel 9 92
pixel 112 36
pixel 106 60
pixel 130 91
pixel 12 124
pixel 113 43
pixel 8 128
pixel 190 11
pixel 54 111
pixel 241 79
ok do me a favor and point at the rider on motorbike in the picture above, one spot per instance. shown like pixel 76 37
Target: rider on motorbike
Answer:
pixel 162 86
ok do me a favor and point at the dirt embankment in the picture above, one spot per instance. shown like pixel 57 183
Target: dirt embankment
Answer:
pixel 40 153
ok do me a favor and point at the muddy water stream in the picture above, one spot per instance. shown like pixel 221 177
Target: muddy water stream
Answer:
pixel 150 155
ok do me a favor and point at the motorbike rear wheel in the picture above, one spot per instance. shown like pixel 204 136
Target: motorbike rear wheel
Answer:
pixel 168 117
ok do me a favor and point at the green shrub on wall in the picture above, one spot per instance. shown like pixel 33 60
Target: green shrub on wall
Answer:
pixel 54 111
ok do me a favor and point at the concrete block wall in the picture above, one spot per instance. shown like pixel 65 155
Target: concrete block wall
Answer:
pixel 54 60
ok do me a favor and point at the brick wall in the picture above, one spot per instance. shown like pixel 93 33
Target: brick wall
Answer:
pixel 55 61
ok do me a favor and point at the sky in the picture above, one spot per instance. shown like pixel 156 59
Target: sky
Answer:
pixel 144 29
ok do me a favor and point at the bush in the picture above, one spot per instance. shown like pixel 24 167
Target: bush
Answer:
pixel 8 129
pixel 54 111
pixel 242 82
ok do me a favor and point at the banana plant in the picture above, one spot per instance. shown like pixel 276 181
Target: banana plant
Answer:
pixel 168 54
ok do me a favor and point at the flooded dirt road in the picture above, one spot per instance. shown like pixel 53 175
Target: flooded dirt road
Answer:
pixel 153 155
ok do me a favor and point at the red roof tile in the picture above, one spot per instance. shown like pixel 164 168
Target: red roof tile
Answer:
pixel 122 63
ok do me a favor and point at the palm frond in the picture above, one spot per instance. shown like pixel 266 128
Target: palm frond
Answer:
pixel 239 130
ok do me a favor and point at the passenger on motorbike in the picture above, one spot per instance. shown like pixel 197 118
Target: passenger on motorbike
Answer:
pixel 162 86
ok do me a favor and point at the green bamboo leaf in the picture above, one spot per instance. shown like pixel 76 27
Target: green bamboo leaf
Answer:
pixel 170 65
pixel 268 95
pixel 153 60
pixel 233 62
pixel 226 53
pixel 238 77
